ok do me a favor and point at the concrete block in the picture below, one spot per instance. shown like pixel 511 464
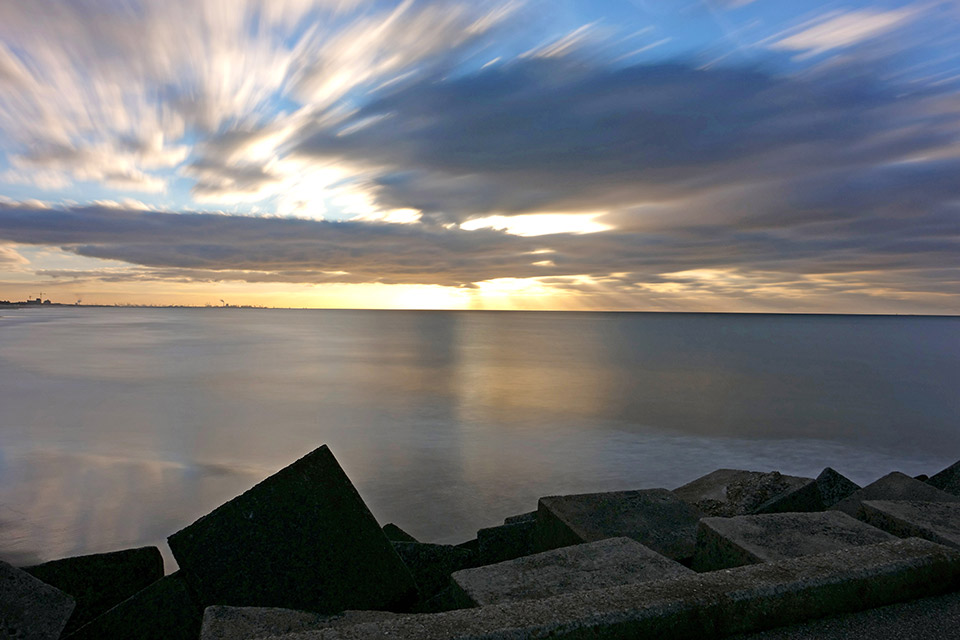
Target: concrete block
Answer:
pixel 432 564
pixel 935 521
pixel 707 605
pixel 653 517
pixel 921 619
pixel 607 563
pixel 893 486
pixel 734 492
pixel 244 623
pixel 29 608
pixel 828 489
pixel 301 539
pixel 396 534
pixel 947 480
pixel 100 581
pixel 732 542
pixel 530 516
pixel 166 610
pixel 506 542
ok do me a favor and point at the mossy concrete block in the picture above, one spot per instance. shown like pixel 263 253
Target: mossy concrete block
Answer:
pixel 595 565
pixel 100 581
pixel 735 492
pixel 732 542
pixel 947 480
pixel 893 486
pixel 707 605
pixel 301 539
pixel 828 489
pixel 935 521
pixel 530 516
pixel 432 564
pixel 506 542
pixel 245 623
pixel 653 517
pixel 31 609
pixel 166 610
pixel 396 534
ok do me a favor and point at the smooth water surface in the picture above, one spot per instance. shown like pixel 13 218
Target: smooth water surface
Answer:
pixel 120 426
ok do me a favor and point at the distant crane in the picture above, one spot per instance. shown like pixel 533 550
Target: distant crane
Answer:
pixel 224 303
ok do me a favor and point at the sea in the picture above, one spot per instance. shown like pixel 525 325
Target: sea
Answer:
pixel 120 426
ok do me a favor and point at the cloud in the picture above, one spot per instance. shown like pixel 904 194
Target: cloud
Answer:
pixel 544 135
pixel 896 254
pixel 10 258
pixel 87 86
pixel 838 30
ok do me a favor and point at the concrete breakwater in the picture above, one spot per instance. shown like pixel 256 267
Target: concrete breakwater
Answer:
pixel 300 556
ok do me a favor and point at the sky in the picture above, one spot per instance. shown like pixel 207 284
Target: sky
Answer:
pixel 648 155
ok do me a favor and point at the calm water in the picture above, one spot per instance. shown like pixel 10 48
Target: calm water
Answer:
pixel 120 426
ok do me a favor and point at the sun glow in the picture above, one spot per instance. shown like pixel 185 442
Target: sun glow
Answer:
pixel 539 224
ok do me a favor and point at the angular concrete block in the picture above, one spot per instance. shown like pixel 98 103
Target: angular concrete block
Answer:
pixel 707 605
pixel 506 542
pixel 893 486
pixel 432 564
pixel 396 534
pixel 100 581
pixel 530 516
pixel 734 492
pixel 732 542
pixel 301 539
pixel 29 608
pixel 935 521
pixel 653 517
pixel 828 489
pixel 947 480
pixel 594 565
pixel 166 610
pixel 243 623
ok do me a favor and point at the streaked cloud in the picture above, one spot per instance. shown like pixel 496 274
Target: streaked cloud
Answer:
pixel 655 154
pixel 837 30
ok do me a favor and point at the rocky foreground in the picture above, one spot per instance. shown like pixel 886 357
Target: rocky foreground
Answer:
pixel 299 556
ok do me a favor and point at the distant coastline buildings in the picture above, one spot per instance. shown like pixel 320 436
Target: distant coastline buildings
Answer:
pixel 25 303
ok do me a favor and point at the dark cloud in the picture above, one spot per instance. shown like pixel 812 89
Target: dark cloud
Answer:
pixel 896 257
pixel 550 135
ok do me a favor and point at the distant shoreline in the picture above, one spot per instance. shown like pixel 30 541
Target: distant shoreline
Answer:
pixel 45 305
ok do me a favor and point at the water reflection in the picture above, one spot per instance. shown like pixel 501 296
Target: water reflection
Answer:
pixel 121 426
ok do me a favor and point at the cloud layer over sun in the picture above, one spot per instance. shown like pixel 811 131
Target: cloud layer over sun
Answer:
pixel 620 154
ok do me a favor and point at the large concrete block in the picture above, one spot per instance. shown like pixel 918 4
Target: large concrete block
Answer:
pixel 935 521
pixel 653 517
pixel 947 480
pixel 244 623
pixel 529 516
pixel 100 581
pixel 734 492
pixel 432 564
pixel 301 539
pixel 707 605
pixel 733 542
pixel 166 610
pixel 506 542
pixel 893 486
pixel 396 534
pixel 607 563
pixel 29 608
pixel 828 489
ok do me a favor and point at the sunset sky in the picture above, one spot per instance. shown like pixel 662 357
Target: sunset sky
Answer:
pixel 706 155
